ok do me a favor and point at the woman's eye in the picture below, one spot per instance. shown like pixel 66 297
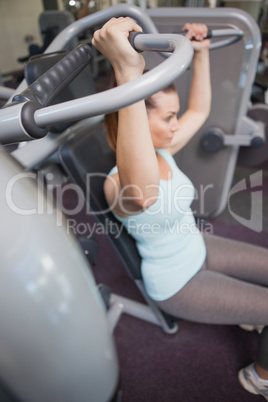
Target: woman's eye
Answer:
pixel 168 118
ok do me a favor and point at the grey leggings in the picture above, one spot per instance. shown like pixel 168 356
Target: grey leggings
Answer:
pixel 231 288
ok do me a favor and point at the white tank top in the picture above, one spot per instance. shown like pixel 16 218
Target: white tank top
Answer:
pixel 169 242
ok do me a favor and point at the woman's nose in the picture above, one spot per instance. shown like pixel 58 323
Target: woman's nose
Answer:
pixel 175 126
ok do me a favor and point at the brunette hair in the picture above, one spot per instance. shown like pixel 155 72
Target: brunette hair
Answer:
pixel 111 119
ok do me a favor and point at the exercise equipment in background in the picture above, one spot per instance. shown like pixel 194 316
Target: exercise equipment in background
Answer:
pixel 233 70
pixel 51 22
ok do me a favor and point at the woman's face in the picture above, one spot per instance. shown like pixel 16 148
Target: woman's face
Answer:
pixel 163 120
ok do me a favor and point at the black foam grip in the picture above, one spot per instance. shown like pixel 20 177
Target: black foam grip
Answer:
pixel 209 34
pixel 47 87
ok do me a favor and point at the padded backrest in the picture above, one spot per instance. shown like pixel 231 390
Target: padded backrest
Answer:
pixel 87 159
pixel 82 85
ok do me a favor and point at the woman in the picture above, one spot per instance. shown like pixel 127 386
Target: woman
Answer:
pixel 200 278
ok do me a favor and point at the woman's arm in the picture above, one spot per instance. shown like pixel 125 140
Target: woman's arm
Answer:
pixel 136 185
pixel 200 93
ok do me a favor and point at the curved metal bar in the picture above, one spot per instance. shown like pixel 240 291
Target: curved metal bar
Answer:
pixel 99 18
pixel 234 36
pixel 126 10
pixel 119 97
pixel 210 15
pixel 93 20
pixel 6 93
pixel 215 33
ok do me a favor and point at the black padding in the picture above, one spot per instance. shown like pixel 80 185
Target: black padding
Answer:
pixel 82 85
pixel 50 84
pixel 87 159
pixel 212 140
pixel 28 121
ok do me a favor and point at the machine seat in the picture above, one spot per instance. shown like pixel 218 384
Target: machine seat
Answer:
pixel 87 159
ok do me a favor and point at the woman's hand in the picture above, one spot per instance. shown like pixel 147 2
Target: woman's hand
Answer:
pixel 112 41
pixel 198 32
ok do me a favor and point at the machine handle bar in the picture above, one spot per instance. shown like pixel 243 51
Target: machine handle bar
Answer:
pixel 15 127
pixel 234 35
pixel 127 94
